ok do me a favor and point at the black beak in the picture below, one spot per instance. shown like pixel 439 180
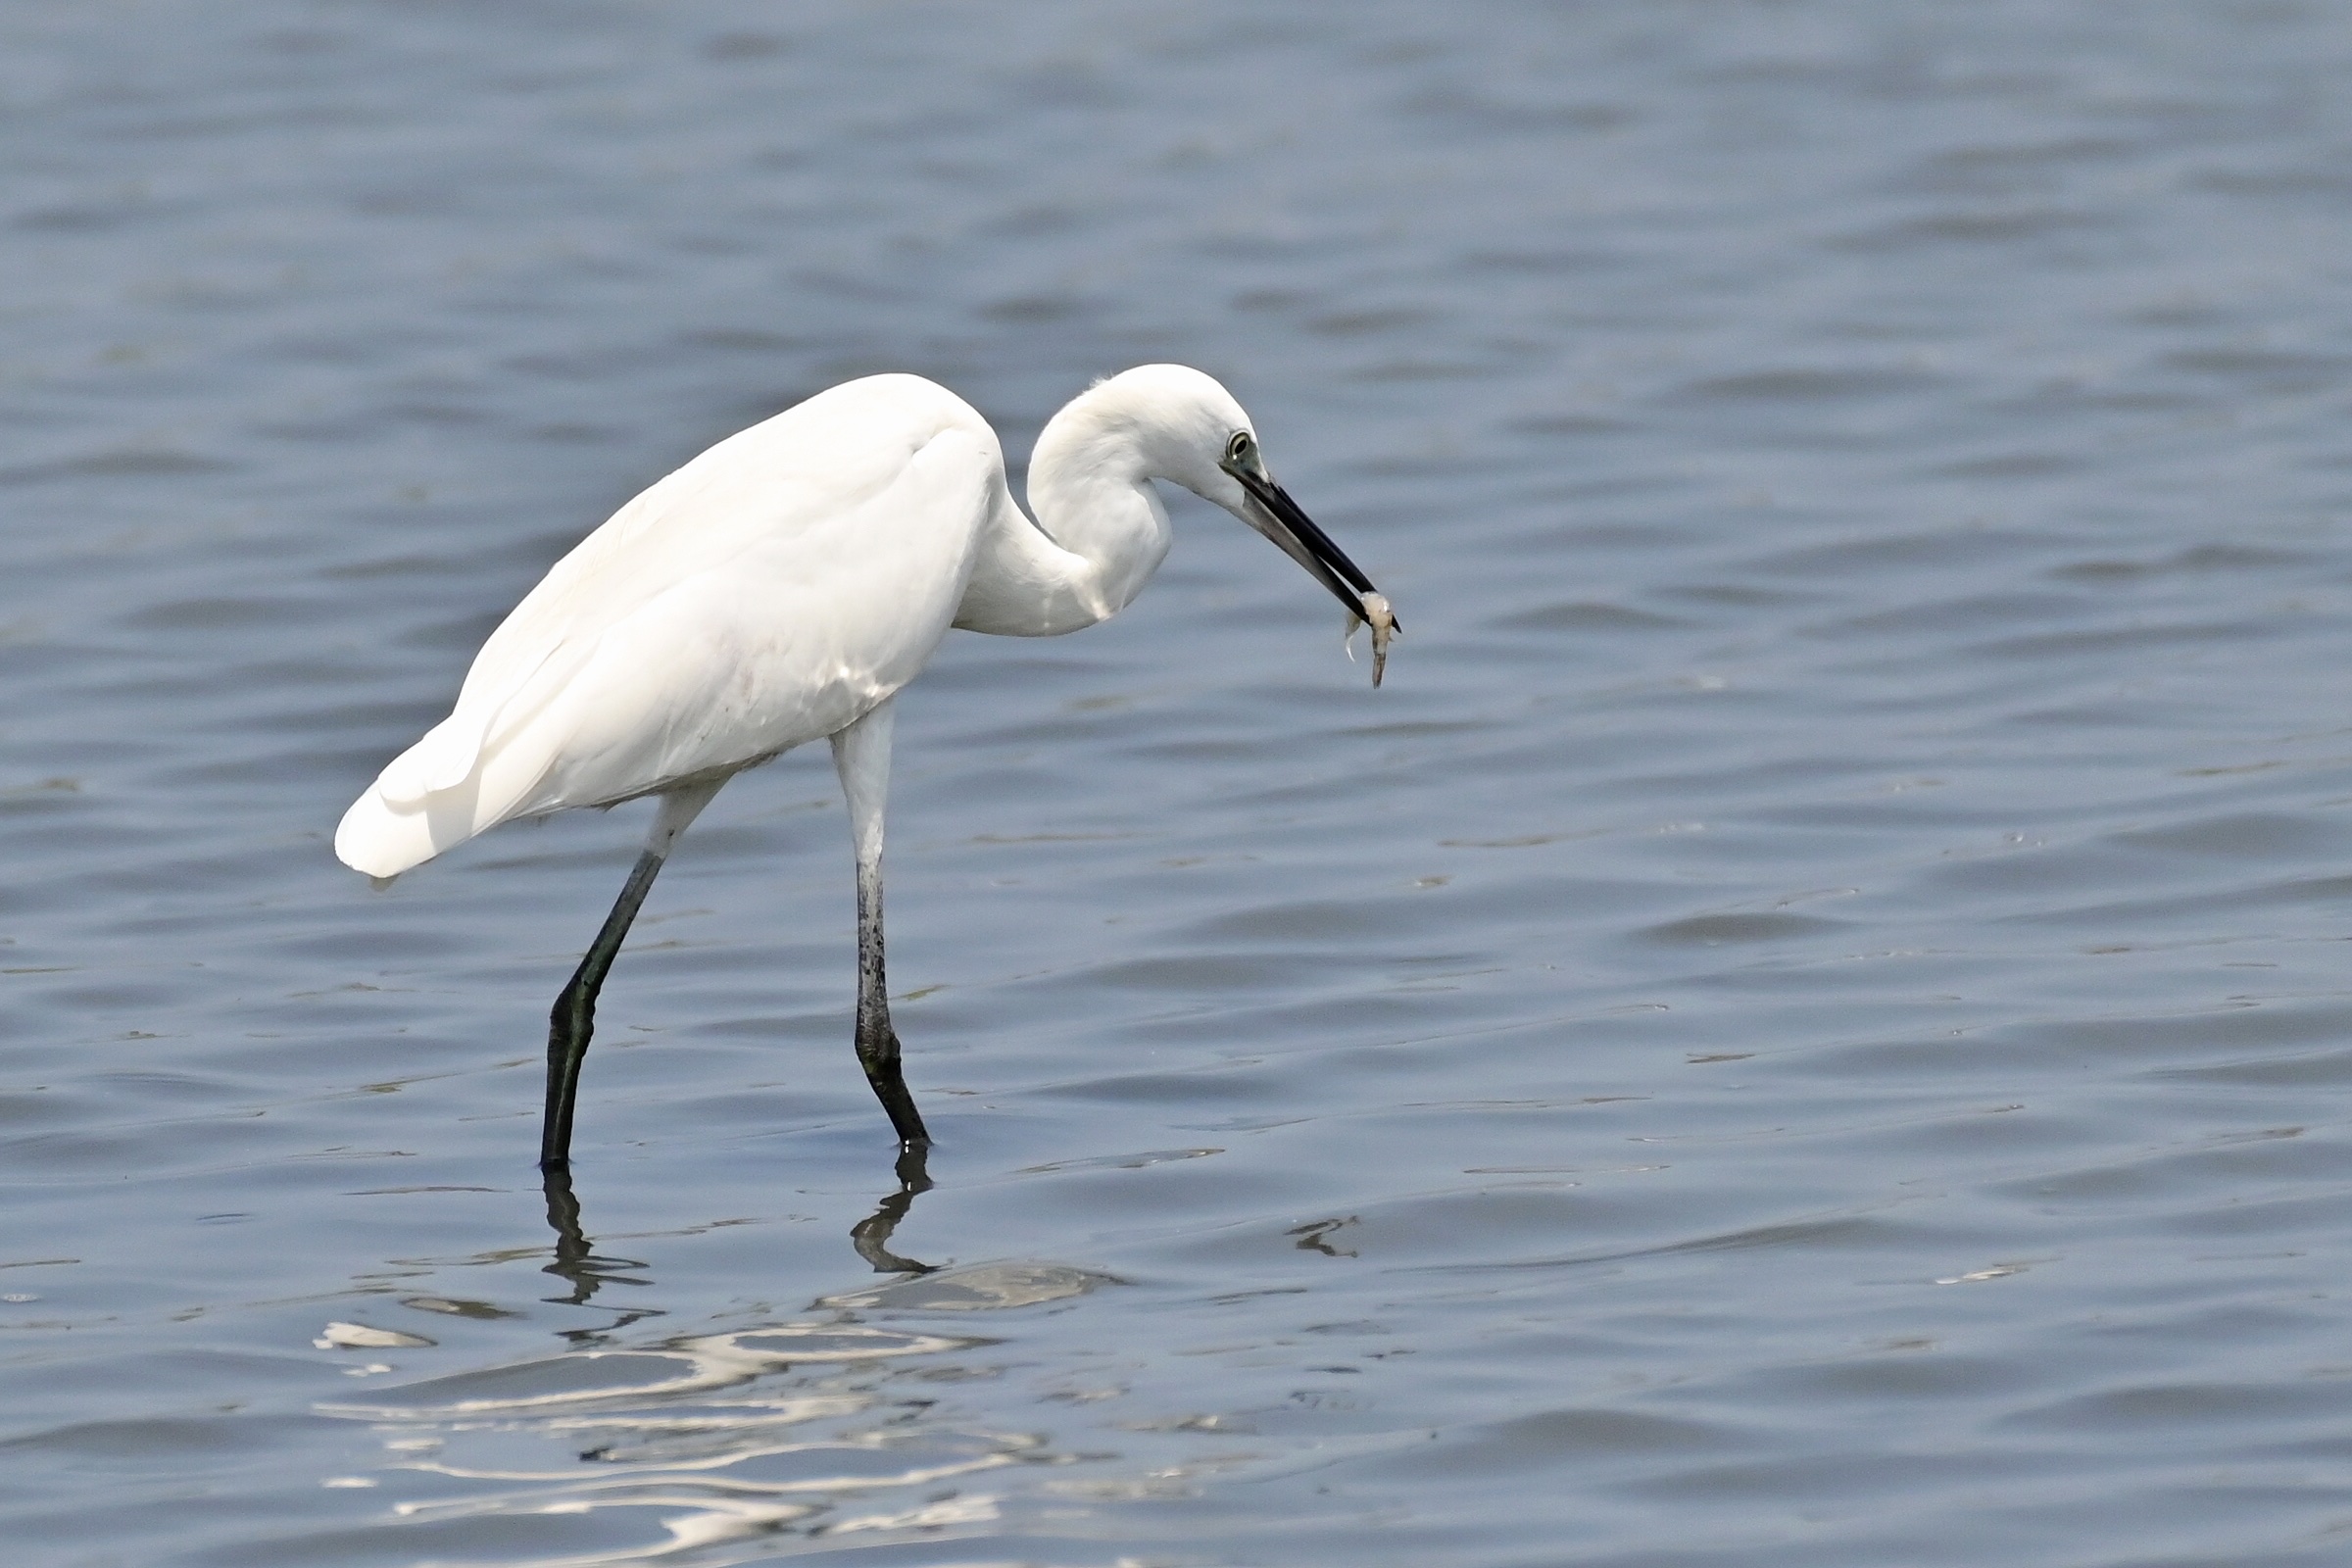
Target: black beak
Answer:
pixel 1296 532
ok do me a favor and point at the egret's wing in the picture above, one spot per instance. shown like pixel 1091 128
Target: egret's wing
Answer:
pixel 794 636
pixel 779 480
pixel 770 591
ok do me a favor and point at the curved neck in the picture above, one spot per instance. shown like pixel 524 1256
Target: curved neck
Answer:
pixel 1104 511
pixel 1101 532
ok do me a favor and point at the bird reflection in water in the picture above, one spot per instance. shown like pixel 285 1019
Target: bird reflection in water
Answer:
pixel 871 1235
pixel 587 1271
pixel 578 1264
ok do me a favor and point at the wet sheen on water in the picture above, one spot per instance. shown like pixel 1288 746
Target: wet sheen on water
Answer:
pixel 1802 1025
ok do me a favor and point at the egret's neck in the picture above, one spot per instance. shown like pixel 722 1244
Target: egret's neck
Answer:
pixel 1100 505
pixel 1101 532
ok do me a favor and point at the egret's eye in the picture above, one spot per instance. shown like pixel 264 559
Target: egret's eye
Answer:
pixel 1238 448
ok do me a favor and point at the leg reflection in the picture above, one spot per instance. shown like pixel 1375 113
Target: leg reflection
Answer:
pixel 574 1260
pixel 871 1235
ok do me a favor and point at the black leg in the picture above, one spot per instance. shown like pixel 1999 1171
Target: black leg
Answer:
pixel 575 1016
pixel 877 1041
pixel 862 753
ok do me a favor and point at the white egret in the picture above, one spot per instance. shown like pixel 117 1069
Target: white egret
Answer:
pixel 783 586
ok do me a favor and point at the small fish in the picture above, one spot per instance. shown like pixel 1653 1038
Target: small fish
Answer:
pixel 1383 628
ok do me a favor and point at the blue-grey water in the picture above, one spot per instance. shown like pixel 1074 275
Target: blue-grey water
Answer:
pixel 1807 1024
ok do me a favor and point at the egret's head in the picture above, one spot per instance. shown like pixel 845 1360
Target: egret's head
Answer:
pixel 1182 426
pixel 1172 422
pixel 1162 422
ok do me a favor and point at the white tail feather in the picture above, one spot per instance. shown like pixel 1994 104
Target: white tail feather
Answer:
pixel 384 840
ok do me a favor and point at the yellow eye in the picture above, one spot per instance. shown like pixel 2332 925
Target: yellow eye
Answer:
pixel 1239 447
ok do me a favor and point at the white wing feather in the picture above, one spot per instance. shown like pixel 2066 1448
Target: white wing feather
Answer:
pixel 769 592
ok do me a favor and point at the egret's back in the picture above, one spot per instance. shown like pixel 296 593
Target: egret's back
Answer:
pixel 769 592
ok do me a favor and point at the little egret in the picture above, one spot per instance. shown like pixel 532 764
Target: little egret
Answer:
pixel 783 586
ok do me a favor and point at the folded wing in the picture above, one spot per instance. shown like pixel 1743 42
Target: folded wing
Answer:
pixel 771 591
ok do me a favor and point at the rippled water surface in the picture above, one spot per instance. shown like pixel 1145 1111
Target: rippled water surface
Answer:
pixel 1807 1023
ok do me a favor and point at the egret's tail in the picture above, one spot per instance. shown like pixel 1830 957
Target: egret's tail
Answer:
pixel 384 841
pixel 429 798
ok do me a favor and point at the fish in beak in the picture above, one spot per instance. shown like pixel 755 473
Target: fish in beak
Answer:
pixel 1272 513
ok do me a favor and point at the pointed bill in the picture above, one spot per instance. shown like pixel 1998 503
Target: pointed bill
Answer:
pixel 1280 518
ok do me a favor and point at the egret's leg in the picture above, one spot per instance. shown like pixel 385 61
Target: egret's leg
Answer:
pixel 862 753
pixel 575 1016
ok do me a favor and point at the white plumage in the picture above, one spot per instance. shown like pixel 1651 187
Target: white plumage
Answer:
pixel 767 593
pixel 782 586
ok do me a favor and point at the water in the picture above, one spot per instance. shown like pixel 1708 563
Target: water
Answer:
pixel 1805 1025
